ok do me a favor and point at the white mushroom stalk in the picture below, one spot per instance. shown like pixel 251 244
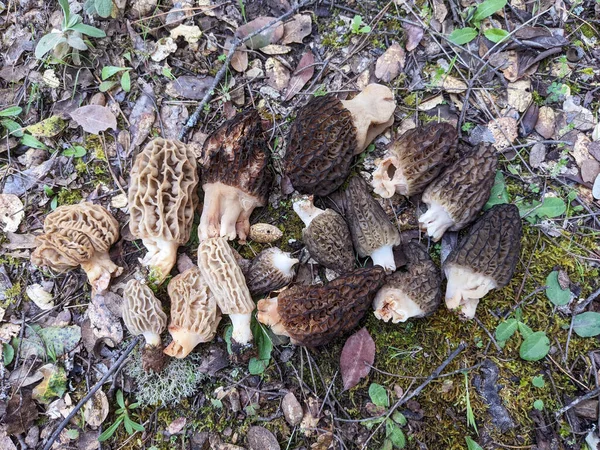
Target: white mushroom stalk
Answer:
pixel 435 221
pixel 384 257
pixel 100 270
pixel 306 210
pixel 161 257
pixel 268 315
pixel 465 288
pixel 389 178
pixel 395 305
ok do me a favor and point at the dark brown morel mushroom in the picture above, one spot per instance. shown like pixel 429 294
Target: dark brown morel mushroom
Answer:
pixel 326 235
pixel 412 292
pixel 485 259
pixel 314 315
pixel 327 133
pixel 372 232
pixel 272 269
pixel 414 160
pixel 235 177
pixel 457 196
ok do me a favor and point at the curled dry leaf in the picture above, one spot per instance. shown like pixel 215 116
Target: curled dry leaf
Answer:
pixel 271 35
pixel 519 94
pixel 297 29
pixel 546 122
pixel 38 295
pixel 176 426
pixel 504 132
pixel 11 212
pixel 358 355
pixel 301 75
pixel 96 409
pixel 390 64
pixel 239 60
pixel 414 35
pixel 191 33
pixel 94 118
pixel 187 86
pixel 278 76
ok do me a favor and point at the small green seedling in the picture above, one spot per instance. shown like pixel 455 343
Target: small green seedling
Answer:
pixel 122 417
pixel 535 345
pixel 110 72
pixel 475 16
pixel 358 26
pixel 394 436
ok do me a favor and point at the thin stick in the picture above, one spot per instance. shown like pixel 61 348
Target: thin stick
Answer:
pixel 89 395
pixel 194 118
pixel 577 401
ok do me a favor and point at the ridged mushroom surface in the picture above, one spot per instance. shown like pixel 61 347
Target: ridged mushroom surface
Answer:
pixel 484 259
pixel 415 160
pixel 235 177
pixel 270 270
pixel 456 197
pixel 79 235
pixel 162 201
pixel 412 291
pixel 327 133
pixel 315 315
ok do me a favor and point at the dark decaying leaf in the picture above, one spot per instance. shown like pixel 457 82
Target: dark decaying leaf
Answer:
pixel 269 36
pixel 142 115
pixel 259 438
pixel 358 355
pixel 414 35
pixel 539 38
pixel 193 88
pixel 529 119
pixel 21 411
pixel 239 60
pixel 94 118
pixel 301 75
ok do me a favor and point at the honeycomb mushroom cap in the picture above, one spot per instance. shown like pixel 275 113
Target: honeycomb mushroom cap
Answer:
pixel 372 232
pixel 79 235
pixel 235 177
pixel 315 315
pixel 457 196
pixel 327 133
pixel 413 292
pixel 162 201
pixel 226 281
pixel 143 314
pixel 272 269
pixel 194 313
pixel 484 259
pixel 414 160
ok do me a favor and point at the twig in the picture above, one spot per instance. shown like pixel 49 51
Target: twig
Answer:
pixel 577 401
pixel 89 395
pixel 194 118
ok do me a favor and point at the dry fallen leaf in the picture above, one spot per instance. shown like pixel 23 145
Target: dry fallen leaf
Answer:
pixel 301 75
pixel 546 122
pixel 278 76
pixel 271 35
pixel 414 35
pixel 259 438
pixel 176 426
pixel 164 47
pixel 94 118
pixel 292 409
pixel 519 94
pixel 239 60
pixel 142 116
pixel 297 29
pixel 190 87
pixel 390 64
pixel 191 33
pixel 96 409
pixel 449 84
pixel 38 295
pixel 11 212
pixel 504 132
pixel 358 355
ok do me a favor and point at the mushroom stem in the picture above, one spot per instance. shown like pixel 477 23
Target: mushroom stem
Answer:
pixel 183 343
pixel 464 289
pixel 152 338
pixel 99 269
pixel 284 263
pixel 396 305
pixel 384 257
pixel 306 210
pixel 388 178
pixel 436 221
pixel 241 334
pixel 268 315
pixel 161 256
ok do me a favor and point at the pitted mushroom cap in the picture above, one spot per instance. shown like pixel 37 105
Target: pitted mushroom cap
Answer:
pixel 270 270
pixel 415 160
pixel 63 251
pixel 142 312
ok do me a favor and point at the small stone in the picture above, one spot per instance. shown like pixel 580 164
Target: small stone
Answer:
pixel 259 438
pixel 98 99
pixel 590 170
pixel 33 437
pixel 292 409
pixel 537 155
pixel 546 122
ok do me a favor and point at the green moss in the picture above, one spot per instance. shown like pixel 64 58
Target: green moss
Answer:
pixel 69 196
pixel 11 294
pixel 588 31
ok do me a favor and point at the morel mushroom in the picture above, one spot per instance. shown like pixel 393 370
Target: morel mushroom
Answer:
pixel 315 315
pixel 194 313
pixel 162 201
pixel 484 260
pixel 414 160
pixel 143 314
pixel 79 235
pixel 226 281
pixel 372 232
pixel 413 292
pixel 327 133
pixel 272 269
pixel 326 235
pixel 235 177
pixel 456 197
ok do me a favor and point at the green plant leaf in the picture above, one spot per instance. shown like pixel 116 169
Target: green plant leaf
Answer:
pixel 557 295
pixel 64 4
pixel 110 430
pixel 103 8
pixel 12 111
pixel 89 30
pixel 76 151
pixel 137 426
pixel 107 86
pixel 264 345
pixel 8 353
pixel 13 128
pixel 587 324
pixel 76 42
pixel 506 329
pixel 47 43
pixel 395 434
pixel 471 444
pixel 496 34
pixel 535 346
pixel 463 35
pixel 539 405
pixel 127 423
pixel 120 400
pixel 487 8
pixel 498 194
pixel 109 71
pixel 538 381
pixel 126 82
pixel 379 395
pixel 399 418
pixel 29 141
pixel 551 207
pixel 524 330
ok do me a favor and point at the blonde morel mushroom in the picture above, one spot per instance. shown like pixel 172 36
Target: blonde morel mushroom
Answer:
pixel 194 313
pixel 414 160
pixel 79 235
pixel 235 177
pixel 485 259
pixel 162 200
pixel 272 269
pixel 327 133
pixel 315 315
pixel 372 232
pixel 413 291
pixel 226 281
pixel 143 314
pixel 326 235
pixel 457 196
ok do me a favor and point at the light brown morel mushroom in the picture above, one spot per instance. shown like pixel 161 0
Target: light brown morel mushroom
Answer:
pixel 162 201
pixel 327 133
pixel 315 315
pixel 457 196
pixel 235 177
pixel 143 314
pixel 372 232
pixel 194 313
pixel 326 235
pixel 414 160
pixel 485 259
pixel 412 291
pixel 272 269
pixel 79 235
pixel 226 281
